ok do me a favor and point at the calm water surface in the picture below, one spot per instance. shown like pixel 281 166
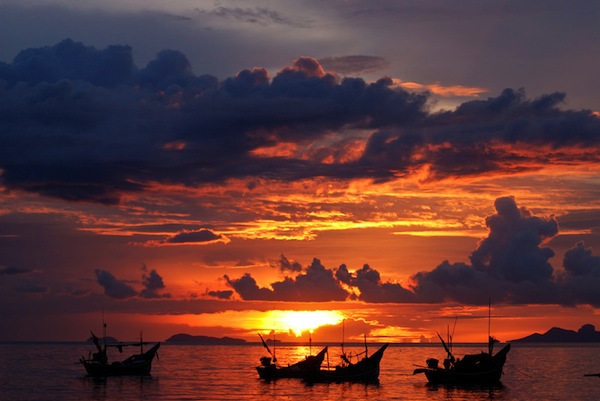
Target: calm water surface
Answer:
pixel 50 372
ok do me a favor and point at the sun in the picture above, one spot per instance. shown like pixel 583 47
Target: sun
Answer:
pixel 300 322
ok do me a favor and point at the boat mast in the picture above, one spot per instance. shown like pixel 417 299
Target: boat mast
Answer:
pixel 448 338
pixel 490 340
pixel 343 335
pixel 453 330
pixel 104 331
pixel 274 357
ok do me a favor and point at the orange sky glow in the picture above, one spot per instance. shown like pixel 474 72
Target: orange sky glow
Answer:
pixel 291 201
pixel 337 226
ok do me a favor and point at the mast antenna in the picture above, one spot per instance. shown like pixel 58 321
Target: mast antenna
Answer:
pixel 490 339
pixel 343 335
pixel 103 329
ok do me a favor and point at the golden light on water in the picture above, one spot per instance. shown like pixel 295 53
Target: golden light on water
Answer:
pixel 300 322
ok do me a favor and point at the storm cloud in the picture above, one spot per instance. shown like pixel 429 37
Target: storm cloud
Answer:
pixel 86 124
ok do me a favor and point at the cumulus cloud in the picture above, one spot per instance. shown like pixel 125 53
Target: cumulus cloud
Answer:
pixel 284 264
pixel 370 287
pixel 510 265
pixel 119 289
pixel 582 278
pixel 153 284
pixel 579 261
pixel 114 287
pixel 315 284
pixel 512 249
pixel 248 289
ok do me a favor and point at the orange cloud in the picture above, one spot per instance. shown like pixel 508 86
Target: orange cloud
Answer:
pixel 308 66
pixel 442 90
pixel 281 149
pixel 177 145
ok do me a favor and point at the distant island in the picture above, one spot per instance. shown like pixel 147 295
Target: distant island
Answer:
pixel 586 334
pixel 204 340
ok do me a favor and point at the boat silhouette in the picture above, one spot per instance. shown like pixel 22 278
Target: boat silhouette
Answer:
pixel 484 368
pixel 98 365
pixel 366 370
pixel 472 369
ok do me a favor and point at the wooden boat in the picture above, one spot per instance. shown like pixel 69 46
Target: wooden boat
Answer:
pixel 365 370
pixel 97 364
pixel 472 369
pixel 269 370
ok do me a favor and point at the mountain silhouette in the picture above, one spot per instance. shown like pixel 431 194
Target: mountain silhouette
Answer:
pixel 204 340
pixel 587 333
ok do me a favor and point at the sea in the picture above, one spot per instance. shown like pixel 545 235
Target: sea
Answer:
pixel 49 371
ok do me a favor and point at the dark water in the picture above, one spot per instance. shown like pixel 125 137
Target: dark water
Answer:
pixel 49 372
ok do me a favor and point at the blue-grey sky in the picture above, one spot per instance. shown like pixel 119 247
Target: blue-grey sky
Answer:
pixel 543 46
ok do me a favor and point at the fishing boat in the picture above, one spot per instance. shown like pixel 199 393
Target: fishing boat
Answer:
pixel 97 364
pixel 366 370
pixel 473 369
pixel 484 368
pixel 269 369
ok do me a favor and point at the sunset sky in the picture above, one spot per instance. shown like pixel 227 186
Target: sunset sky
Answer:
pixel 206 167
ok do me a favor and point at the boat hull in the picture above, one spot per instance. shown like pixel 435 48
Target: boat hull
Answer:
pixel 298 370
pixel 136 365
pixel 365 371
pixel 481 369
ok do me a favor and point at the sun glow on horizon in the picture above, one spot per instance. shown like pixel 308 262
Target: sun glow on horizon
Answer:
pixel 300 322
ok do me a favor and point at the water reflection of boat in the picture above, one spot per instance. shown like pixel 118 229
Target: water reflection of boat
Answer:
pixel 97 365
pixel 365 370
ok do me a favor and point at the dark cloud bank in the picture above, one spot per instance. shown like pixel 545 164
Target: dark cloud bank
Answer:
pixel 510 265
pixel 79 123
